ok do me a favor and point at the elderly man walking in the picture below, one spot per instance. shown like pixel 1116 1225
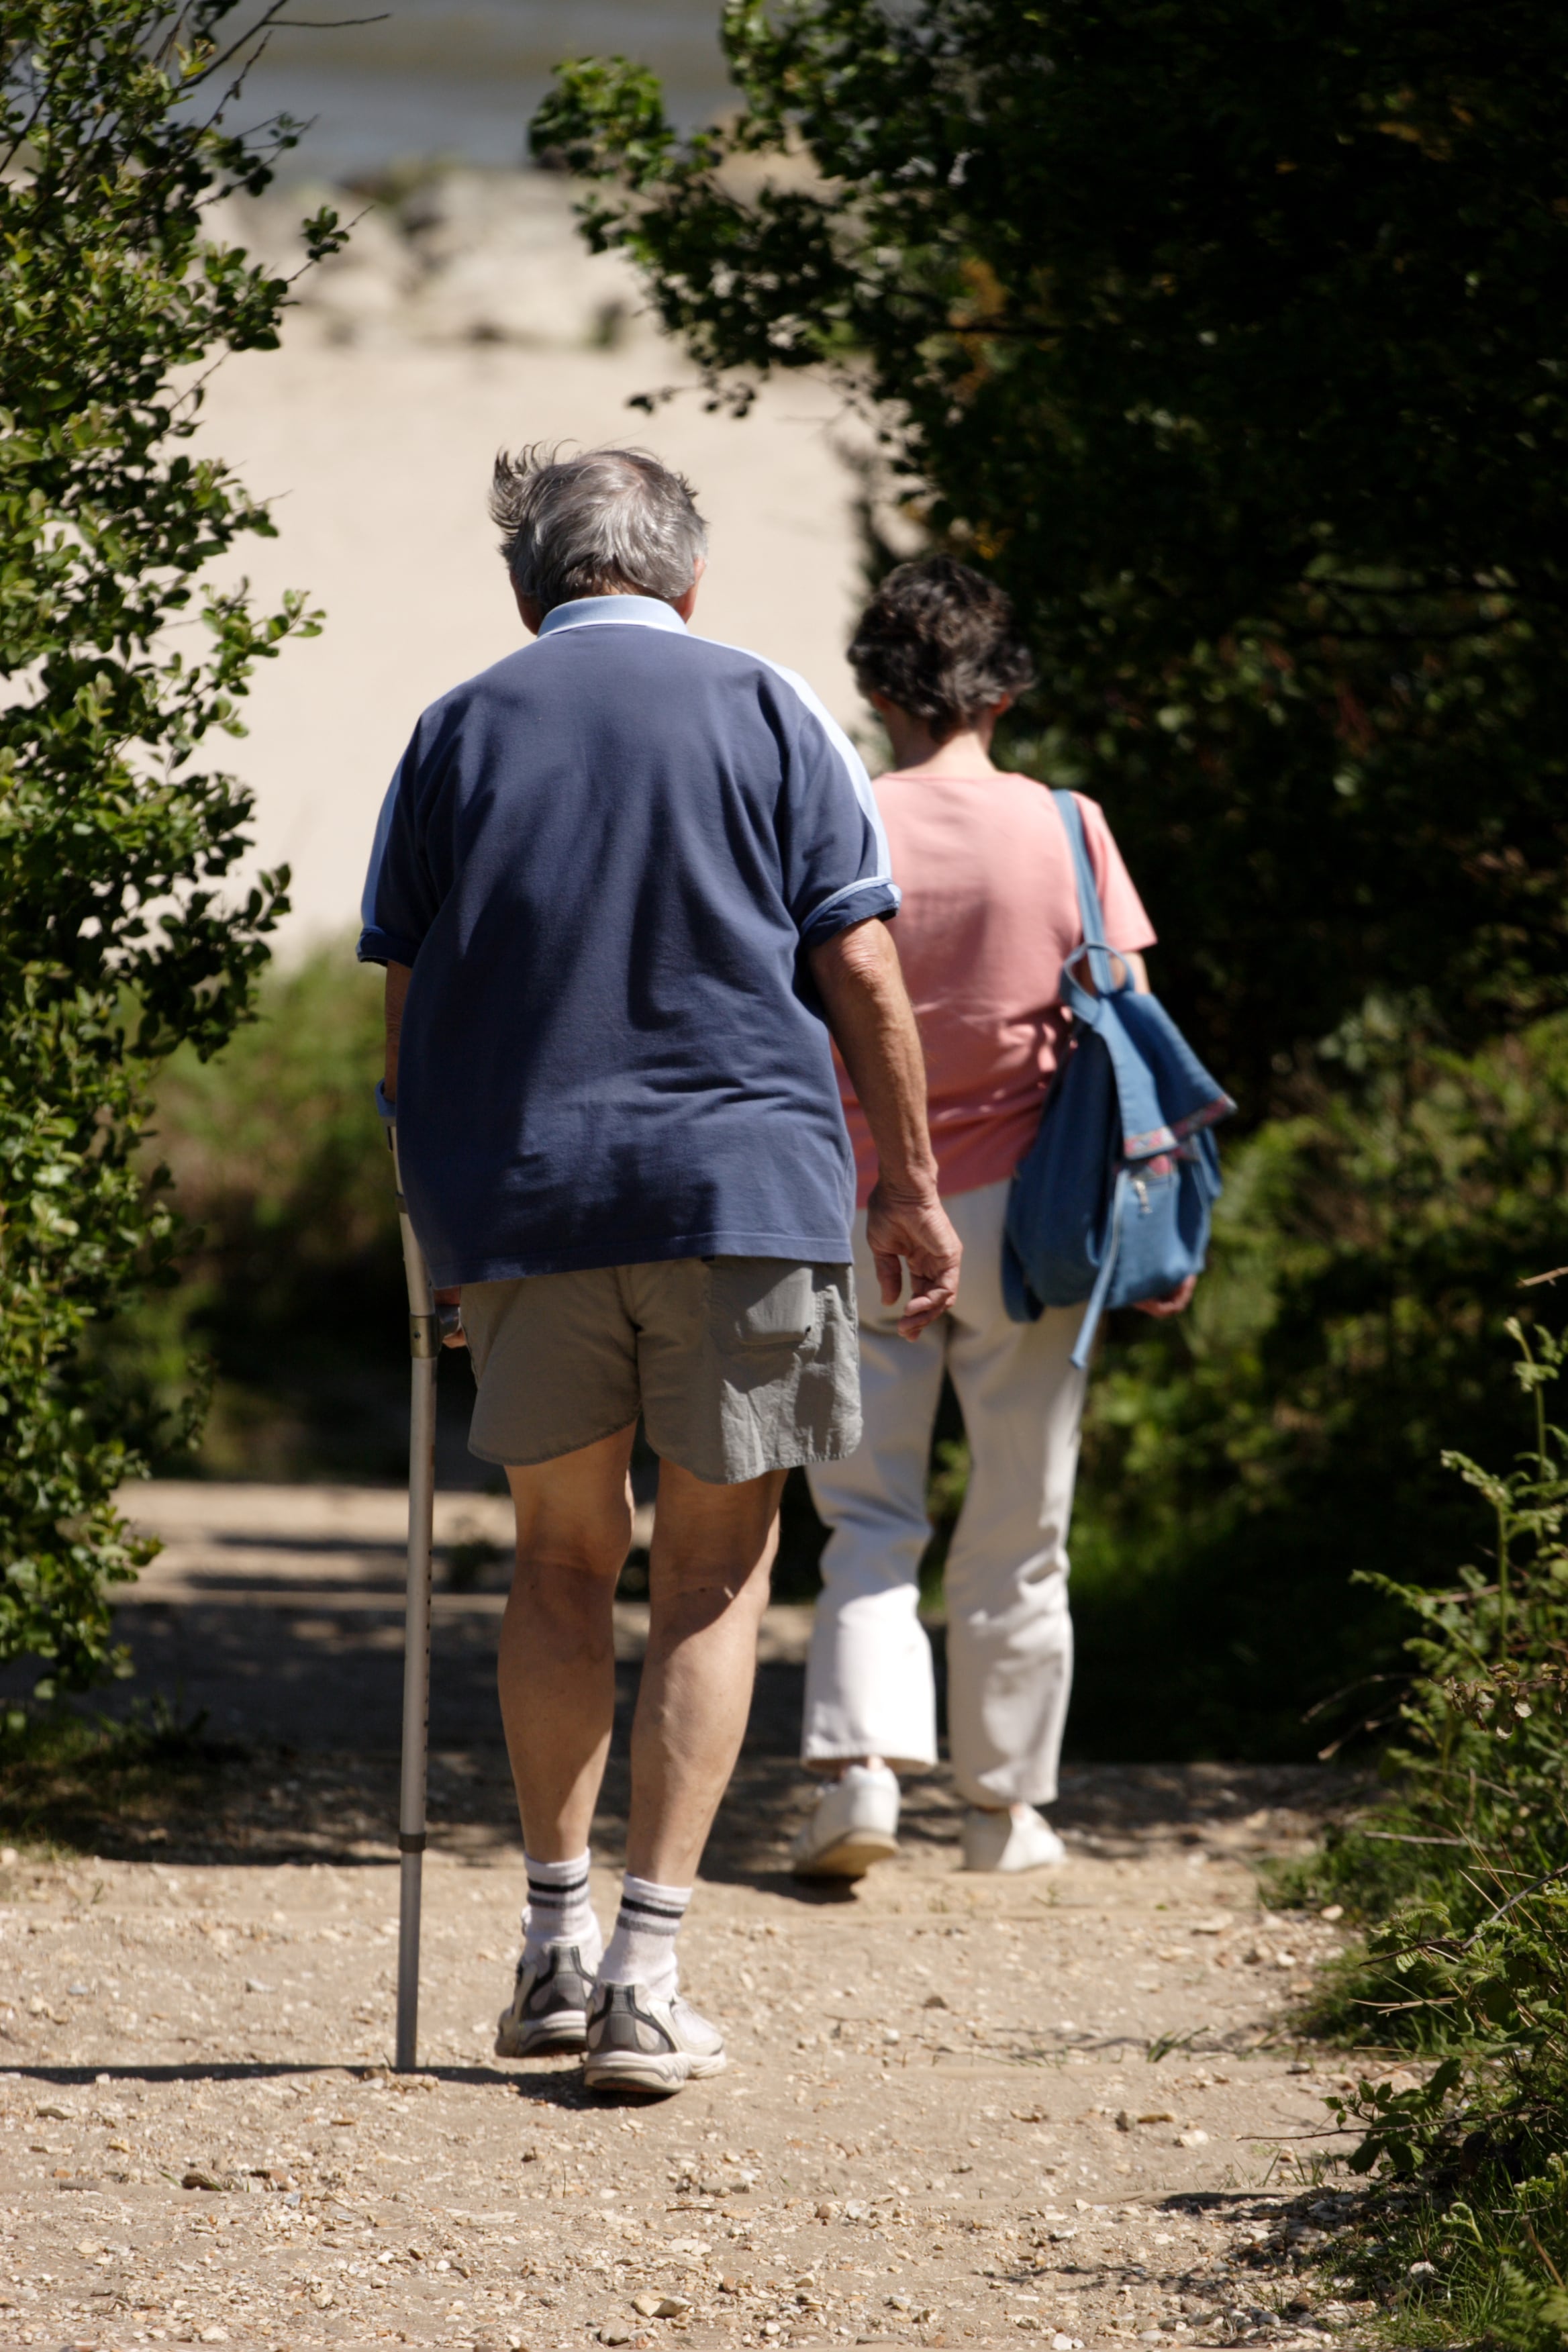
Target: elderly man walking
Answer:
pixel 624 884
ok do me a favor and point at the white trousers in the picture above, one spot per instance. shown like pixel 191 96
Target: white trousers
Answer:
pixel 869 1687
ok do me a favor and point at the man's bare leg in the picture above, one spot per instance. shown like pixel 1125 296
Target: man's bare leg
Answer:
pixel 556 1670
pixel 708 1581
pixel 712 1552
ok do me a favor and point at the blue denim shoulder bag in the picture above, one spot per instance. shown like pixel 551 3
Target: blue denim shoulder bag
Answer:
pixel 1113 1204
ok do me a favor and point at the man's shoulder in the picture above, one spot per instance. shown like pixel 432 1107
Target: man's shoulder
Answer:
pixel 500 681
pixel 551 665
pixel 627 666
pixel 773 677
pixel 441 720
pixel 792 696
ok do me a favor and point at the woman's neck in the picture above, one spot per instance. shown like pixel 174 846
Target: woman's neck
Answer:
pixel 917 752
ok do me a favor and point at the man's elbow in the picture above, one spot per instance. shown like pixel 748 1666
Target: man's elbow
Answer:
pixel 859 955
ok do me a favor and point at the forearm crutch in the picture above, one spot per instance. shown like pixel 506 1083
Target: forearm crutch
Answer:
pixel 424 1347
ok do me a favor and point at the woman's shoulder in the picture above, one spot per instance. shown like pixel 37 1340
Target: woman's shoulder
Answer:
pixel 1095 820
pixel 1046 792
pixel 972 810
pixel 1001 784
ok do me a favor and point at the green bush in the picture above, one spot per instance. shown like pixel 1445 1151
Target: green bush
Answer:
pixel 1463 1878
pixel 292 1297
pixel 1241 1465
pixel 120 667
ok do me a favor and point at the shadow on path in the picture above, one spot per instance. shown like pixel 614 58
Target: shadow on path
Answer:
pixel 300 1676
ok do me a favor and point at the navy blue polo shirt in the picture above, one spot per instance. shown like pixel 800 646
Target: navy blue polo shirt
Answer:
pixel 602 859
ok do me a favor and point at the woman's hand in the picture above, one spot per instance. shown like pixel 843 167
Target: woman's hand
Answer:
pixel 1182 1296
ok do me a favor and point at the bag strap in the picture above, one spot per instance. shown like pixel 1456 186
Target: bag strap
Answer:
pixel 1090 917
pixel 1142 1124
pixel 1101 1291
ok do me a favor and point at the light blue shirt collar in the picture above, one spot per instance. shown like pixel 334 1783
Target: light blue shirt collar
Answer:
pixel 588 612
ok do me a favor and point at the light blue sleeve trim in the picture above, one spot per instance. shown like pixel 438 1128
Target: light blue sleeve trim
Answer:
pixel 853 766
pixel 887 896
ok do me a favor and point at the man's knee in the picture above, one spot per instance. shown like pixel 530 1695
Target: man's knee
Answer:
pixel 709 1586
pixel 573 1571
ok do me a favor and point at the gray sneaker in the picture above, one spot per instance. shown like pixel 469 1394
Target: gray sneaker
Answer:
pixel 636 2042
pixel 549 2008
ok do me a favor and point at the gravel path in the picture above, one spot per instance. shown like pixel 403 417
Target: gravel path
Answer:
pixel 959 2109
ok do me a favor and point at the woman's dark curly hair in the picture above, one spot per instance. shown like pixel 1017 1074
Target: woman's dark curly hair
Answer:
pixel 938 640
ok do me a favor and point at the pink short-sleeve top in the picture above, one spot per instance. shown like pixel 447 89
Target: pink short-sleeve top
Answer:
pixel 989 916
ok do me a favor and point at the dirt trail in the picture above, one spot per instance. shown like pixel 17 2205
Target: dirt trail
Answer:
pixel 958 2109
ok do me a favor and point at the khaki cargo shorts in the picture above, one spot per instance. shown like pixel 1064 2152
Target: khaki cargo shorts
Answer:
pixel 738 1365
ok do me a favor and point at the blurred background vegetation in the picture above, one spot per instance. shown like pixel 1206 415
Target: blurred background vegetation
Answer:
pixel 1238 1467
pixel 292 1297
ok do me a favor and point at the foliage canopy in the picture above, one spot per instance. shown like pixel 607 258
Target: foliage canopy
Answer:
pixel 117 663
pixel 1229 338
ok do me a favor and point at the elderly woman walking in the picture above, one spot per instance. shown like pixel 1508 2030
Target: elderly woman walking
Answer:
pixel 990 913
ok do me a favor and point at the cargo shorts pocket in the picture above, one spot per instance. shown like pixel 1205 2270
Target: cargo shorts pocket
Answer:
pixel 761 1302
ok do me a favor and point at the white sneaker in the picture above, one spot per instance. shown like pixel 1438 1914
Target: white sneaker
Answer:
pixel 1016 1840
pixel 638 2042
pixel 854 1823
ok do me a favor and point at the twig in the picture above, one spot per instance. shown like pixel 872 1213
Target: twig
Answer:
pixel 1335 1697
pixel 1528 1282
pixel 1409 1837
pixel 1396 2008
pixel 1523 2220
pixel 1533 1888
pixel 1292 2139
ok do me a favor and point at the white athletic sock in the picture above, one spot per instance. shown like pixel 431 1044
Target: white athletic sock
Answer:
pixel 560 1910
pixel 642 1948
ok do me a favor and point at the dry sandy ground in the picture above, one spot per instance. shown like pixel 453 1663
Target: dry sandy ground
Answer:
pixel 1066 2106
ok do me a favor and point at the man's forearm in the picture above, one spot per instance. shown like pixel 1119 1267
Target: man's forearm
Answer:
pixel 873 1024
pixel 908 1231
pixel 398 976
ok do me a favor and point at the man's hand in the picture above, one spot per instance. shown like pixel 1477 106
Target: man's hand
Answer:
pixel 914 1231
pixel 449 1315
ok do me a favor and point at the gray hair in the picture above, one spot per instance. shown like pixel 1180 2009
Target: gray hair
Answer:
pixel 609 522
